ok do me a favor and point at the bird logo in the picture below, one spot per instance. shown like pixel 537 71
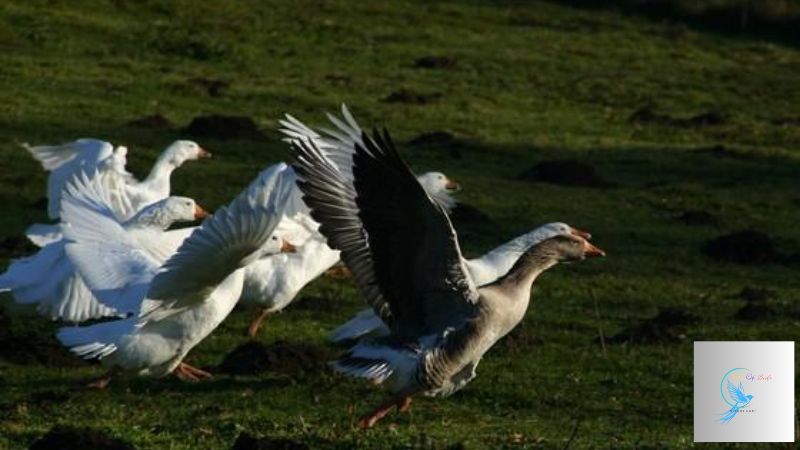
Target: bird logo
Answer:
pixel 733 394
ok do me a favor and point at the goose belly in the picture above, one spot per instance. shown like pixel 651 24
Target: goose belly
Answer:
pixel 452 364
pixel 157 347
pixel 268 284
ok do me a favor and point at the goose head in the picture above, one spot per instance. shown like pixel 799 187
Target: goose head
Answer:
pixel 181 151
pixel 438 182
pixel 568 247
pixel 556 228
pixel 164 213
pixel 183 209
pixel 439 187
pixel 276 244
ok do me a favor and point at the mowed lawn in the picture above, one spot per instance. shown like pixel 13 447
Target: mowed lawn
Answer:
pixel 670 119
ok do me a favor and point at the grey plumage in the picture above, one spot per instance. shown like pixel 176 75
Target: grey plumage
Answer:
pixel 405 257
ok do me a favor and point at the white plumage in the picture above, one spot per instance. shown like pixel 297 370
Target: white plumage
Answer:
pixel 183 300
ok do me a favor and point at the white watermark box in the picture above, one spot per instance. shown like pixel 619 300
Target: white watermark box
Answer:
pixel 744 391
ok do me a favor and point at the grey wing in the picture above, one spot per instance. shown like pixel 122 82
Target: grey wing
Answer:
pixel 337 144
pixel 406 246
pixel 331 198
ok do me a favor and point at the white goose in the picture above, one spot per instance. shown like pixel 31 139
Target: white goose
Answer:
pixel 483 270
pixel 49 278
pixel 405 257
pixel 183 300
pixel 88 155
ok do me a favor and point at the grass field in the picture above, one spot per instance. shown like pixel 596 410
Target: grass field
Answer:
pixel 674 119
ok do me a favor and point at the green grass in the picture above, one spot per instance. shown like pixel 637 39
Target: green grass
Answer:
pixel 534 81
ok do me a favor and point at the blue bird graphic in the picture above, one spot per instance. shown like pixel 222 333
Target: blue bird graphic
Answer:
pixel 739 398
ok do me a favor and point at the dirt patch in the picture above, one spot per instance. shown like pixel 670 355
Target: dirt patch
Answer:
pixel 153 121
pixel 438 139
pixel 436 62
pixel 756 304
pixel 214 87
pixel 565 172
pixel 754 311
pixel 668 326
pixel 246 441
pixel 699 218
pixel 253 358
pixel 78 438
pixel 647 115
pixel 752 294
pixel 467 214
pixel 224 127
pixel 410 97
pixel 16 246
pixel 720 151
pixel 33 348
pixel 742 247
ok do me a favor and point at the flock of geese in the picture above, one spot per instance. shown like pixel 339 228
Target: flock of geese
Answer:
pixel 347 196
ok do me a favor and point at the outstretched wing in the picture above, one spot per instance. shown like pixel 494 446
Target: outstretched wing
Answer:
pixel 52 157
pixel 225 242
pixel 336 145
pixel 332 199
pixel 737 392
pixel 66 161
pixel 393 236
pixel 111 262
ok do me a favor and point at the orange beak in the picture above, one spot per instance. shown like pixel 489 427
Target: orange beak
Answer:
pixel 580 233
pixel 287 247
pixel 591 250
pixel 203 153
pixel 200 213
pixel 452 185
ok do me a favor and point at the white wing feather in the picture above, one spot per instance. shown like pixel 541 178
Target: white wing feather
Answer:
pixel 64 162
pixel 225 242
pixel 111 262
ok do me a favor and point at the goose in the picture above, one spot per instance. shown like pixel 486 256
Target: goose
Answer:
pixel 87 155
pixel 182 300
pixel 49 278
pixel 483 270
pixel 338 146
pixel 404 254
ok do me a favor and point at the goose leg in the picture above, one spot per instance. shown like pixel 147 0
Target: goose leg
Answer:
pixel 252 330
pixel 402 402
pixel 102 381
pixel 199 373
pixel 186 372
pixel 338 272
pixel 183 374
